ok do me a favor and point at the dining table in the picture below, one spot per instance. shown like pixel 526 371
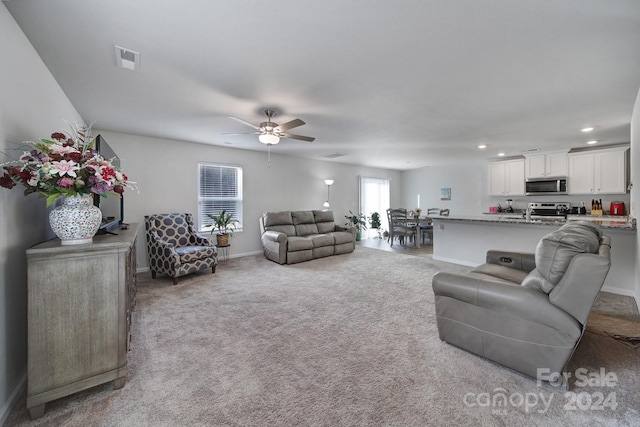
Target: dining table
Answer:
pixel 415 222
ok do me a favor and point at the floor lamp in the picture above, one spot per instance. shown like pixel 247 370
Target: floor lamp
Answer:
pixel 328 182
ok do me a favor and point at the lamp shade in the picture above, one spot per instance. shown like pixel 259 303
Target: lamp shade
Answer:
pixel 269 139
pixel 328 181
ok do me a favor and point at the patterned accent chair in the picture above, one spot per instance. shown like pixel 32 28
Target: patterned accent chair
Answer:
pixel 174 247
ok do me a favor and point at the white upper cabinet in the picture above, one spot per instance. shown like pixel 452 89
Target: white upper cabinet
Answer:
pixel 598 172
pixel 546 165
pixel 506 178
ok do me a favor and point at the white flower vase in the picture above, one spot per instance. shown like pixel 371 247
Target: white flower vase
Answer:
pixel 76 221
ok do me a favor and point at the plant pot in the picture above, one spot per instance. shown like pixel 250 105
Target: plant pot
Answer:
pixel 358 235
pixel 222 239
pixel 76 221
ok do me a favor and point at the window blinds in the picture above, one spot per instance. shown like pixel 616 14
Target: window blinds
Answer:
pixel 219 188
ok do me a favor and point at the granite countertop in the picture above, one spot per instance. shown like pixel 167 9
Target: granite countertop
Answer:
pixel 605 222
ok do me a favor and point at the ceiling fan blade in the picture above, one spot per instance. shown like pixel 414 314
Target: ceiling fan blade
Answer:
pixel 248 133
pixel 289 125
pixel 300 137
pixel 244 122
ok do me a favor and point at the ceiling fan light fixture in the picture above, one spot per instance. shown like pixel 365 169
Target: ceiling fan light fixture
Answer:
pixel 269 139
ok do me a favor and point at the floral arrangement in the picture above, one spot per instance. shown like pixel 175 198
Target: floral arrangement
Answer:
pixel 64 165
pixel 415 212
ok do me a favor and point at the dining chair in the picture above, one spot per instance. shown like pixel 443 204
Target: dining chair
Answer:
pixel 426 226
pixel 398 226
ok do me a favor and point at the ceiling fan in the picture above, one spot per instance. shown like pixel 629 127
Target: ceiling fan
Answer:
pixel 270 132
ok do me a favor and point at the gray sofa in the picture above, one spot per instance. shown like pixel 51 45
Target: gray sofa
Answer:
pixel 289 237
pixel 526 311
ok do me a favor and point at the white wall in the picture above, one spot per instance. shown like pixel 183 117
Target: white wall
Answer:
pixel 32 105
pixel 166 172
pixel 467 183
pixel 635 178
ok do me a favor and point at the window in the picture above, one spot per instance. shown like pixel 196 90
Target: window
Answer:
pixel 374 197
pixel 219 188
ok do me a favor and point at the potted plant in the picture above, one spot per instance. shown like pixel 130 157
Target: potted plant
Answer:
pixel 359 221
pixel 225 225
pixel 374 221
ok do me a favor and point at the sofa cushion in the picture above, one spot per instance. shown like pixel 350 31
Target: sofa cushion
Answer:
pixel 306 229
pixel 341 237
pixel 555 251
pixel 323 216
pixel 534 280
pixel 324 221
pixel 299 244
pixel 302 217
pixel 506 273
pixel 189 254
pixel 279 221
pixel 320 240
pixel 277 218
pixel 583 226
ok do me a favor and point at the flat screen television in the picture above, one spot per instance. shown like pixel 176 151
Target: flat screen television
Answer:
pixel 112 207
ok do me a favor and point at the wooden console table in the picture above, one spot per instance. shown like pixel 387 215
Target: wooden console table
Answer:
pixel 80 299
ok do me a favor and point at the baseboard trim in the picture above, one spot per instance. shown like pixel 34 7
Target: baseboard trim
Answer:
pixel 8 406
pixel 146 269
pixel 246 254
pixel 619 291
pixel 455 261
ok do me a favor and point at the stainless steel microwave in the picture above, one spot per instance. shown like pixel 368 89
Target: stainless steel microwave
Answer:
pixel 534 187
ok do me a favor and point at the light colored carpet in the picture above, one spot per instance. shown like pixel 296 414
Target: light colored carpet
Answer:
pixel 348 340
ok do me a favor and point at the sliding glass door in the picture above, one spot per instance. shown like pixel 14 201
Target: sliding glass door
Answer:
pixel 374 197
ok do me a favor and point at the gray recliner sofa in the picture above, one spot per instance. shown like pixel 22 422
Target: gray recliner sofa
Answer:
pixel 526 311
pixel 289 237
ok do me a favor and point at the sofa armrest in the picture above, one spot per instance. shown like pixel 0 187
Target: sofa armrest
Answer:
pixel 508 300
pixel 523 261
pixel 274 236
pixel 201 240
pixel 351 229
pixel 274 244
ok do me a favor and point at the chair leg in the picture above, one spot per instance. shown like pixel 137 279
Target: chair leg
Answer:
pixel 175 281
pixel 213 269
pixel 153 274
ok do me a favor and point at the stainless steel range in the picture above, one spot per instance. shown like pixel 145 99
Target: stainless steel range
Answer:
pixel 547 210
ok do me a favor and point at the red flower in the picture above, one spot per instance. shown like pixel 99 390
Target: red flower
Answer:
pixel 6 181
pixel 59 136
pixel 25 176
pixel 76 157
pixel 118 189
pixel 107 173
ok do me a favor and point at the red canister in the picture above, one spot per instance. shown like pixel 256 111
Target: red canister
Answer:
pixel 617 209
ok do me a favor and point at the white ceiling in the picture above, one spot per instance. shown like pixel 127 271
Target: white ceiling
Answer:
pixel 394 84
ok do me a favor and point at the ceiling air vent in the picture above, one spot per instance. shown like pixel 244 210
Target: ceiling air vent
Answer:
pixel 127 58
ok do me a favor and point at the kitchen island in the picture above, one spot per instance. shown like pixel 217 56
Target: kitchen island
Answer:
pixel 466 239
